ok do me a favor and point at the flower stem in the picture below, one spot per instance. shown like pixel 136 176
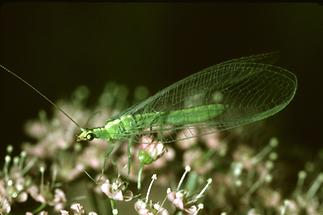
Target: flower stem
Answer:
pixel 139 176
pixel 39 208
pixel 113 207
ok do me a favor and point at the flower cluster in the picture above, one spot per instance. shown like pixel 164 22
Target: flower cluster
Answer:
pixel 223 173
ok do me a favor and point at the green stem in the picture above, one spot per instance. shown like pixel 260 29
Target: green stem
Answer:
pixel 94 200
pixel 113 207
pixel 178 212
pixel 39 208
pixel 191 182
pixel 139 176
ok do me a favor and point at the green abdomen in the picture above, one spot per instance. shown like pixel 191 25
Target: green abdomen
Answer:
pixel 181 117
pixel 193 115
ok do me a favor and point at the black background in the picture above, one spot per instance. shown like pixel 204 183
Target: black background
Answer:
pixel 58 46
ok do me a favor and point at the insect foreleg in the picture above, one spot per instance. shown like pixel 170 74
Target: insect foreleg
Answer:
pixel 111 149
pixel 130 144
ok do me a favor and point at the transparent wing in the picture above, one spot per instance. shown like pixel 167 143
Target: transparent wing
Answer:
pixel 248 90
pixel 266 58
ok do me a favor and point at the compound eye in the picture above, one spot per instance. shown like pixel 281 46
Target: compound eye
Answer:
pixel 90 136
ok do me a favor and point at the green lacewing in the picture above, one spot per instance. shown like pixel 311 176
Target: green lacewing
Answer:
pixel 223 96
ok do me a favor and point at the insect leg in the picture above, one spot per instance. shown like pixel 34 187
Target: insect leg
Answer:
pixel 130 144
pixel 111 149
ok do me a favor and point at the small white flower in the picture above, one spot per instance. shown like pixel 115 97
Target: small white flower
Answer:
pixel 181 199
pixel 177 198
pixel 54 198
pixel 77 208
pixel 4 205
pixel 116 190
pixel 59 199
pixel 147 207
pixel 64 212
pixel 144 208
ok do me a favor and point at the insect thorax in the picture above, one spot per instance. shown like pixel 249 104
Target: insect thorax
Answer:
pixel 117 129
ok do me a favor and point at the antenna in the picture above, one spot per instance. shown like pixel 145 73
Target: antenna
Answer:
pixel 41 94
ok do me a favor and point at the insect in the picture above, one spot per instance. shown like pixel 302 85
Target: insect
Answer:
pixel 223 96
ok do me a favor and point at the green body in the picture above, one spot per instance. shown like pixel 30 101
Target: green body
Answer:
pixel 129 125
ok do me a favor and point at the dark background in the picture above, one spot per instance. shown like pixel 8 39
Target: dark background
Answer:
pixel 58 46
